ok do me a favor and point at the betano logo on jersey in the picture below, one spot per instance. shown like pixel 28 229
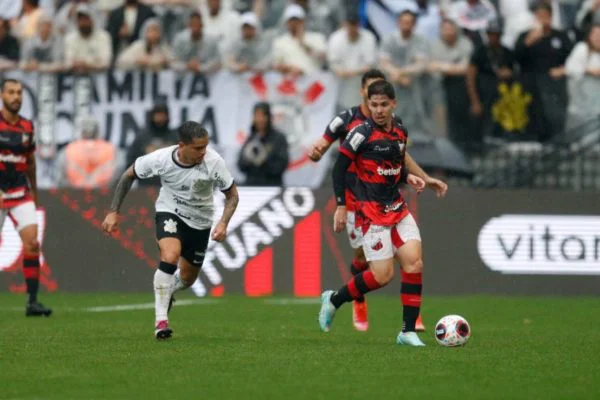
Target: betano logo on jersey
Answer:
pixel 12 158
pixel 541 244
pixel 389 171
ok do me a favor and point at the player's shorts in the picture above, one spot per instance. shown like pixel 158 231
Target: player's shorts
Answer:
pixel 22 215
pixel 355 235
pixel 193 241
pixel 382 242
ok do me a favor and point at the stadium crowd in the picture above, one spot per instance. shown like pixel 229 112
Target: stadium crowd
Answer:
pixel 447 59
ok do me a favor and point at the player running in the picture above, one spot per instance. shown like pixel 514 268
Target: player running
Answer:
pixel 18 188
pixel 337 129
pixel 378 149
pixel 189 172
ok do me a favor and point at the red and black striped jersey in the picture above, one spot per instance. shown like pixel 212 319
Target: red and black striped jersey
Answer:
pixel 16 145
pixel 379 159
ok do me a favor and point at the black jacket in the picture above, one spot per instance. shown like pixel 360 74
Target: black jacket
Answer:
pixel 270 171
pixel 116 18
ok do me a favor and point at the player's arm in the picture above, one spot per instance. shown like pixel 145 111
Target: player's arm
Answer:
pixel 335 129
pixel 31 171
pixel 111 221
pixel 339 188
pixel 232 199
pixel 437 185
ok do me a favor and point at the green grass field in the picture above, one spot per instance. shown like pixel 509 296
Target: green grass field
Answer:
pixel 234 347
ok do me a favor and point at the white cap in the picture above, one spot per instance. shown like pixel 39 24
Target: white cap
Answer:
pixel 294 11
pixel 249 18
pixel 83 8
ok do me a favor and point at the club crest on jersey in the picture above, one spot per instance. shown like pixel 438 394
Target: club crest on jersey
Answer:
pixel 170 226
pixel 401 146
pixel 199 185
pixel 26 138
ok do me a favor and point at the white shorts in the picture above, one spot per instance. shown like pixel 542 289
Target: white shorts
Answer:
pixel 355 235
pixel 23 215
pixel 382 242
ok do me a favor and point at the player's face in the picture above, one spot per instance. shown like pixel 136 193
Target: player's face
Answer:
pixel 381 108
pixel 364 89
pixel 194 152
pixel 12 96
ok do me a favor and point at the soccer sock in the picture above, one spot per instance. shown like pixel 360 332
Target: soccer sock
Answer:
pixel 412 286
pixel 356 268
pixel 31 272
pixel 163 283
pixel 357 287
pixel 178 284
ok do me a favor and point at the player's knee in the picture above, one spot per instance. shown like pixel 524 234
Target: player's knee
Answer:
pixel 31 246
pixel 169 256
pixel 383 276
pixel 415 267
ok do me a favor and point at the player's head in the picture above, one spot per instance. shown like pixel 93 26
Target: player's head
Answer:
pixel 406 23
pixel 12 95
pixel 193 142
pixel 382 102
pixel 372 75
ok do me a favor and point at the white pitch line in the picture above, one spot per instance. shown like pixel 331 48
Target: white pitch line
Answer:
pixel 147 306
pixel 286 302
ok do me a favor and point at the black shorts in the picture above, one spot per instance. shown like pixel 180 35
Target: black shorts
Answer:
pixel 193 241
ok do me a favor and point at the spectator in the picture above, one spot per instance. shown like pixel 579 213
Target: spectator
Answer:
pixel 517 17
pixel 9 47
pixel 473 16
pixel 194 50
pixel 490 65
pixel 583 70
pixel 298 52
pixel 43 52
pixel 125 24
pixel 588 15
pixel 250 51
pixel 173 15
pixel 66 17
pixel 450 61
pixel 149 52
pixel 264 156
pixel 156 136
pixel 351 52
pixel 88 48
pixel 88 162
pixel 323 16
pixel 541 53
pixel 27 24
pixel 404 56
pixel 269 12
pixel 221 23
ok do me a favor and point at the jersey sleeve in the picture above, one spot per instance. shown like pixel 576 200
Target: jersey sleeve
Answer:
pixel 354 143
pixel 337 127
pixel 221 176
pixel 146 167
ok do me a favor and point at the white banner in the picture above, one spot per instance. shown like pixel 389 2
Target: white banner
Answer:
pixel 223 103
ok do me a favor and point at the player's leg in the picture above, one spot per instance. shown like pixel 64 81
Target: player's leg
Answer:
pixel 25 218
pixel 407 240
pixel 378 248
pixel 195 243
pixel 359 264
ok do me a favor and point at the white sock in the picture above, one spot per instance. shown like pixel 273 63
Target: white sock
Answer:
pixel 178 284
pixel 163 284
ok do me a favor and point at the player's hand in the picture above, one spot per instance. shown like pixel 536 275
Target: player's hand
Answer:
pixel 111 222
pixel 314 153
pixel 220 232
pixel 439 187
pixel 339 219
pixel 415 182
pixel 1 199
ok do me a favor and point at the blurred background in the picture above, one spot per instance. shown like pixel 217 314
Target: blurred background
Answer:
pixel 495 94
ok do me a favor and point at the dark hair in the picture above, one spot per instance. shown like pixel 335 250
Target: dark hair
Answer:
pixel 34 3
pixel 191 130
pixel 541 5
pixel 373 73
pixel 10 80
pixel 382 88
pixel 195 14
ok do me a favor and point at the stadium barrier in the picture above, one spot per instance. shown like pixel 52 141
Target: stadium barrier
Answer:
pixel 281 241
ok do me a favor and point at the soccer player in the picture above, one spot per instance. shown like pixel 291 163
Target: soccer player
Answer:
pixel 189 172
pixel 18 188
pixel 378 149
pixel 337 129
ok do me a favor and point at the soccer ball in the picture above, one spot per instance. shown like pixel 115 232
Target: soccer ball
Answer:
pixel 452 331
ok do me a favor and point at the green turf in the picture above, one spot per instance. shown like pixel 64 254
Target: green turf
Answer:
pixel 526 348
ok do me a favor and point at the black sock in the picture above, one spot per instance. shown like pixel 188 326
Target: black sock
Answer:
pixel 167 268
pixel 31 271
pixel 355 271
pixel 409 318
pixel 341 296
